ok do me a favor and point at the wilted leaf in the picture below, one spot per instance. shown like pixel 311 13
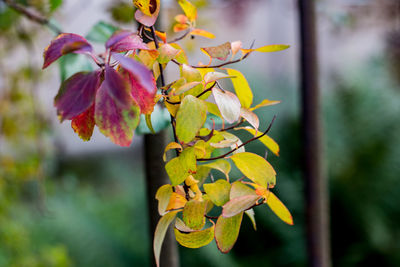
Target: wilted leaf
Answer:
pixel 189 9
pixel 190 118
pixel 159 235
pixel 265 103
pixel 77 94
pixel 255 168
pixel 220 52
pixel 63 44
pixel 279 209
pixel 266 140
pixel 195 239
pixel 227 232
pixel 220 165
pixel 83 124
pixel 218 192
pixel 251 117
pixel 172 145
pixel 241 87
pixel 202 33
pixel 239 189
pixel 193 214
pixel 163 196
pixel 116 122
pixel 228 104
pixel 239 204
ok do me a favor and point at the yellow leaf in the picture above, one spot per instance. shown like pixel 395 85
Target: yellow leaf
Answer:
pixel 218 191
pixel 227 232
pixel 239 189
pixel 190 118
pixel 181 57
pixel 176 201
pixel 163 196
pixel 266 140
pixel 189 9
pixel 202 33
pixel 255 168
pixel 147 11
pixel 250 213
pixel 186 87
pixel 192 75
pixel 267 49
pixel 172 145
pixel 239 204
pixel 265 103
pixel 176 172
pixel 193 214
pixel 162 36
pixel 167 53
pixel 279 209
pixel 180 27
pixel 241 87
pixel 220 165
pixel 195 239
pixel 237 141
pixel 159 235
pixel 213 109
pixel 188 159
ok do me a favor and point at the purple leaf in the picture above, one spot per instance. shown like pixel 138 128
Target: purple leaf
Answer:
pixel 141 73
pixel 146 20
pixel 63 44
pixel 124 41
pixel 118 88
pixel 116 122
pixel 144 98
pixel 77 94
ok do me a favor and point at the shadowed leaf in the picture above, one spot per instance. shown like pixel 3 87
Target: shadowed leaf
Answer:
pixel 117 87
pixel 239 204
pixel 195 239
pixel 159 235
pixel 221 165
pixel 163 196
pixel 218 192
pixel 193 214
pixel 266 140
pixel 239 189
pixel 83 124
pixel 227 232
pixel 123 41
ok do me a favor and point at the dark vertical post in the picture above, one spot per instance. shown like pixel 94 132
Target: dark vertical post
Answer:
pixel 315 184
pixel 156 176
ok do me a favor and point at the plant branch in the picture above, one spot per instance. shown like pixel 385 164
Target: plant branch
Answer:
pixel 245 143
pixel 33 16
pixel 232 127
pixel 199 95
pixel 180 37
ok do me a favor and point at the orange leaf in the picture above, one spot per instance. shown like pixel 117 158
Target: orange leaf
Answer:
pixel 202 33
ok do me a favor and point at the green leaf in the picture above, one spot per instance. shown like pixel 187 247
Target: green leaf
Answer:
pixel 190 118
pixel 101 32
pixel 220 165
pixel 195 239
pixel 228 104
pixel 239 204
pixel 160 119
pixel 279 208
pixel 218 192
pixel 167 53
pixel 163 195
pixel 176 172
pixel 73 63
pixel 193 214
pixel 227 232
pixel 159 235
pixel 201 174
pixel 230 136
pixel 266 140
pixel 188 159
pixel 54 4
pixel 241 87
pixel 239 189
pixel 192 75
pixel 255 168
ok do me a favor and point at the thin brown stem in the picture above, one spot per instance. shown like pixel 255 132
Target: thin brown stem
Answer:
pixel 180 37
pixel 245 143
pixel 33 16
pixel 232 127
pixel 199 95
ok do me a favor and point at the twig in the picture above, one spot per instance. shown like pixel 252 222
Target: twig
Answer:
pixel 232 127
pixel 33 16
pixel 245 143
pixel 180 37
pixel 199 95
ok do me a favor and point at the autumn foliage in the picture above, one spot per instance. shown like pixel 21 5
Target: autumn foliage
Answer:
pixel 123 87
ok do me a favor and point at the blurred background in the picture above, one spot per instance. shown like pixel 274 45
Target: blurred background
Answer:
pixel 64 202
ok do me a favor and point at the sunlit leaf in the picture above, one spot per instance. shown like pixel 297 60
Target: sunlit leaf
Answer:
pixel 239 189
pixel 172 145
pixel 239 204
pixel 77 94
pixel 163 196
pixel 195 239
pixel 279 209
pixel 250 213
pixel 235 47
pixel 266 140
pixel 220 52
pixel 251 117
pixel 241 87
pixel 148 57
pixel 189 9
pixel 115 121
pixel 228 104
pixel 218 191
pixel 255 168
pixel 213 109
pixel 167 53
pixel 83 124
pixel 202 33
pixel 181 57
pixel 162 36
pixel 215 76
pixel 176 172
pixel 265 103
pixel 193 214
pixel 267 49
pixel 147 11
pixel 190 118
pixel 227 232
pixel 63 44
pixel 159 235
pixel 186 87
pixel 122 41
pixel 192 75
pixel 176 201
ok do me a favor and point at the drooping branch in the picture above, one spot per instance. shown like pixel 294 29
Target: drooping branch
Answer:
pixel 199 95
pixel 216 66
pixel 32 15
pixel 245 143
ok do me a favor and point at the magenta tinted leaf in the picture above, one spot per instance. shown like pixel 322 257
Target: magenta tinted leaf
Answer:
pixel 77 94
pixel 142 74
pixel 63 44
pixel 115 121
pixel 122 41
pixel 117 87
pixel 83 124
pixel 143 98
